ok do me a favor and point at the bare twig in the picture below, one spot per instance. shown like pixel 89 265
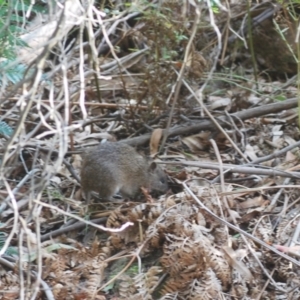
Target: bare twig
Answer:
pixel 123 227
pixel 75 226
pixel 238 169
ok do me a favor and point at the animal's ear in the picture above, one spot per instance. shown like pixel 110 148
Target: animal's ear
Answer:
pixel 152 166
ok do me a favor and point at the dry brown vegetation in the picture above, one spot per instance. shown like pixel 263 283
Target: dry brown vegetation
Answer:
pixel 212 93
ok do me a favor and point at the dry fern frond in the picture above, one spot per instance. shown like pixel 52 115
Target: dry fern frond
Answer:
pixel 116 219
pixel 285 271
pixel 138 212
pixel 128 235
pixel 208 288
pixel 211 282
pixel 176 216
pixel 159 207
pixel 105 253
pixel 94 280
pixel 116 240
pixel 156 211
pixel 220 236
pixel 208 198
pixel 196 64
pixel 75 258
pixel 57 266
pixel 172 220
pixel 126 286
pixel 173 296
pixel 239 290
pixel 219 264
pixel 252 264
pixel 9 278
pixel 94 248
pixel 132 297
pixel 285 229
pixel 60 291
pixel 173 285
pixel 264 231
pixel 152 235
pixel 146 282
pixel 181 254
pixel 198 235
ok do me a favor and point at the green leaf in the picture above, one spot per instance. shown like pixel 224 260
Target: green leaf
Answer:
pixel 10 72
pixel 5 129
pixel 11 251
pixel 280 98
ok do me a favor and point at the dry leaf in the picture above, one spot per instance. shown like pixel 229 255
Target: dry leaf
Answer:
pixel 219 102
pixel 197 142
pixel 250 152
pixel 154 141
pixel 238 265
pixel 290 156
pixel 196 64
pixel 253 202
pixel 277 133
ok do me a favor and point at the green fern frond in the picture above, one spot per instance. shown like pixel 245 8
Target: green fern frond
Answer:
pixel 5 129
pixel 11 251
pixel 11 72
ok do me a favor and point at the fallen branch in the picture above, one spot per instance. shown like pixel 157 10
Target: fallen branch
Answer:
pixel 207 124
pixel 238 169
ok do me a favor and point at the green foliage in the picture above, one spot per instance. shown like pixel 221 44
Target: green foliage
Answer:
pixel 292 6
pixel 11 251
pixel 10 72
pixel 5 129
pixel 215 6
pixel 12 23
pixel 54 193
pixel 167 35
pixel 289 2
pixel 51 248
pixel 280 98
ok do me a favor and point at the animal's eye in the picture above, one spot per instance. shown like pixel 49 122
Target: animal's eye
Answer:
pixel 162 180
